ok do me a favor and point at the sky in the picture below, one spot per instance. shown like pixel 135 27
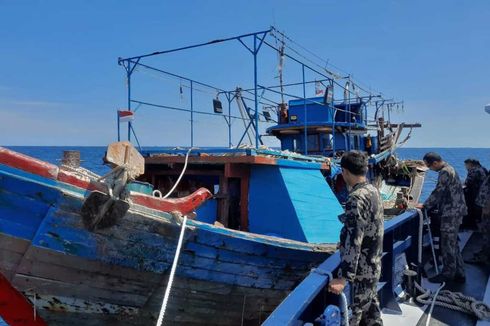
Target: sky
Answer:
pixel 60 83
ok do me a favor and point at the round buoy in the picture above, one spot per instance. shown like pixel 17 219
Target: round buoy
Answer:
pixel 487 108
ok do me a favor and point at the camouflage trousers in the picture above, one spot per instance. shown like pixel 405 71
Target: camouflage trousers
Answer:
pixel 451 255
pixel 365 304
pixel 484 228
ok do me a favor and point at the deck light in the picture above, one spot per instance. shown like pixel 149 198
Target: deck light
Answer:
pixel 218 107
pixel 328 97
pixel 267 115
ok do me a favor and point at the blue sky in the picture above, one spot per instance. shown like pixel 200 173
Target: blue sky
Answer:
pixel 60 83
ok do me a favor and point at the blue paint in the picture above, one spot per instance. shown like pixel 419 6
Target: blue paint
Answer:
pixel 207 212
pixel 298 164
pixel 47 213
pixel 142 187
pixel 316 206
pixel 38 182
pixel 56 233
pixel 293 203
pixel 305 302
pixel 270 208
pixel 28 185
pixel 317 111
pixel 23 205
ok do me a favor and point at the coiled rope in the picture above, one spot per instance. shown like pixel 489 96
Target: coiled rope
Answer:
pixel 455 301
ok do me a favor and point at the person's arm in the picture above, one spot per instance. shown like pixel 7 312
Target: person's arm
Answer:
pixel 484 193
pixel 354 233
pixel 438 193
pixel 469 177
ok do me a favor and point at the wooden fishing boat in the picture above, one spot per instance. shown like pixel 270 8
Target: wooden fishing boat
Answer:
pixel 118 274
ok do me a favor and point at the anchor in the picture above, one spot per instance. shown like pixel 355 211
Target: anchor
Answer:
pixel 102 210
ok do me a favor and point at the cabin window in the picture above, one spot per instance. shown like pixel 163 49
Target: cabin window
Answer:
pixel 327 141
pixel 356 142
pixel 313 143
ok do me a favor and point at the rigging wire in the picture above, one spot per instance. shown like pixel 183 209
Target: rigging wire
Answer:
pixel 325 62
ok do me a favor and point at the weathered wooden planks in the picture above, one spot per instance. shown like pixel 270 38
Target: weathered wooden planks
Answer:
pixel 223 276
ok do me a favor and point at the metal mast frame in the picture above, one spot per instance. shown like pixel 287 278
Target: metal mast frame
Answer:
pixel 259 39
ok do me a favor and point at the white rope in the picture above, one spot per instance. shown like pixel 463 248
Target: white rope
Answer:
pixel 172 273
pixel 181 174
pixel 345 311
pixel 433 302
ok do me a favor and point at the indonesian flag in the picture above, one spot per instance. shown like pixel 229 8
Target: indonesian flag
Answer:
pixel 318 88
pixel 125 115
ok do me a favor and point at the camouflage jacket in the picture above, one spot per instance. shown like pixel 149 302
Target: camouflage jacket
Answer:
pixel 483 197
pixel 448 196
pixel 474 180
pixel 361 238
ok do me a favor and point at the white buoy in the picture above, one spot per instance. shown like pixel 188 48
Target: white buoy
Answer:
pixel 487 108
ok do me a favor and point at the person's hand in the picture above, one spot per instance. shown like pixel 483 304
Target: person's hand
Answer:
pixel 336 285
pixel 419 206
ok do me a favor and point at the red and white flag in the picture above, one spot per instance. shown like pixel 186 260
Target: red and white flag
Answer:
pixel 125 115
pixel 318 88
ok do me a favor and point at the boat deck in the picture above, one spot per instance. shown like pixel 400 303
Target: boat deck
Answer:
pixel 477 285
pixel 309 299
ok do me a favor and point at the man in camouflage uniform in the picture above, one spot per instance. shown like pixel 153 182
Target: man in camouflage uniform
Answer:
pixel 483 200
pixel 361 242
pixel 474 179
pixel 448 199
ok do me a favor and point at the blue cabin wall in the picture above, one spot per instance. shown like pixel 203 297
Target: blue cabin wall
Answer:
pixel 316 113
pixel 287 143
pixel 271 211
pixel 207 211
pixel 293 203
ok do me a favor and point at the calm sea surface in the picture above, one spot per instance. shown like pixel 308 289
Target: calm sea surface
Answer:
pixel 92 158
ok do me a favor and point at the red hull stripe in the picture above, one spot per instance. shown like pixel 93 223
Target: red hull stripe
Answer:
pixel 15 309
pixel 27 163
pixel 184 205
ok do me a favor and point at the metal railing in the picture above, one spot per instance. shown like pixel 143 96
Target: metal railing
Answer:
pixel 402 234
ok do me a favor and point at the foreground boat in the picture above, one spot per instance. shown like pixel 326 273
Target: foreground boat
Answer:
pixel 119 274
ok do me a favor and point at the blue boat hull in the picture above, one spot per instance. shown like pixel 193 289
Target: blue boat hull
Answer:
pixel 118 275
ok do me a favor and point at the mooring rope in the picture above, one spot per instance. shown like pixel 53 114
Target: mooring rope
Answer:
pixel 172 273
pixel 181 174
pixel 455 301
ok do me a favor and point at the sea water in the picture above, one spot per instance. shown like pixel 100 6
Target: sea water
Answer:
pixel 91 158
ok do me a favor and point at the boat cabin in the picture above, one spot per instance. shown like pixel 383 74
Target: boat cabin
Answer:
pixel 261 191
pixel 315 127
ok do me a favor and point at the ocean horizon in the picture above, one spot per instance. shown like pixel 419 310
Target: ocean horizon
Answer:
pixel 91 157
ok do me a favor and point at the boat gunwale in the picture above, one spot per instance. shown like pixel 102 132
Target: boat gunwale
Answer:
pixel 166 217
